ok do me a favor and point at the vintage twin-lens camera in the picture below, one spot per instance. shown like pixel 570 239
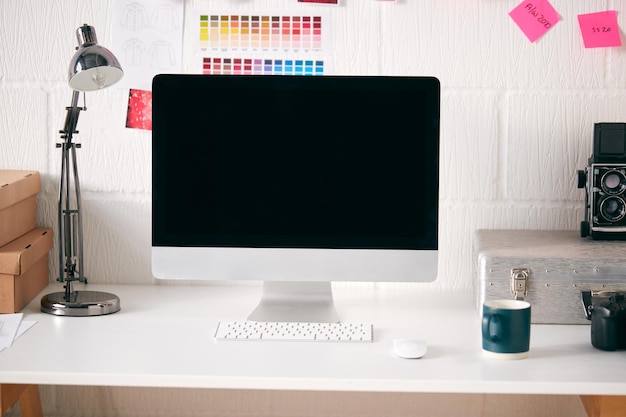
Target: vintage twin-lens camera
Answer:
pixel 607 312
pixel 605 181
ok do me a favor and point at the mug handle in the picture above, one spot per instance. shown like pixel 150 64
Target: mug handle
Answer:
pixel 492 327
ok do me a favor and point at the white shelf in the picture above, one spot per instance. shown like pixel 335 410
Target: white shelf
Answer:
pixel 163 337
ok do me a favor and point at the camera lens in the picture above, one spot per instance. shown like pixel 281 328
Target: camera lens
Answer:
pixel 613 182
pixel 613 209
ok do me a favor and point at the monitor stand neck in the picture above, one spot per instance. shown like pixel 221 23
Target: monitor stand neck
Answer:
pixel 296 301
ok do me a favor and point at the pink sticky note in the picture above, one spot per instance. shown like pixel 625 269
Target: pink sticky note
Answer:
pixel 600 29
pixel 535 18
pixel 139 113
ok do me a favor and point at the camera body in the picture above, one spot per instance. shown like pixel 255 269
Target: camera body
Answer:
pixel 605 182
pixel 607 312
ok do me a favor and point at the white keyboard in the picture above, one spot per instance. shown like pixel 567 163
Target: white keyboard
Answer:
pixel 287 331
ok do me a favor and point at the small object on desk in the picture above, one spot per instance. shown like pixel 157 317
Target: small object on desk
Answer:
pixel 409 348
pixel 294 331
pixel 10 325
pixel 505 329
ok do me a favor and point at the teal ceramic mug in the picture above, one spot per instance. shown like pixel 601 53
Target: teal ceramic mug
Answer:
pixel 506 329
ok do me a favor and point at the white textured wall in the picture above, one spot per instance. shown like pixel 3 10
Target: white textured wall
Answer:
pixel 517 123
pixel 517 117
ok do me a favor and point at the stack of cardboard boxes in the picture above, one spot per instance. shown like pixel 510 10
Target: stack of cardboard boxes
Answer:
pixel 23 246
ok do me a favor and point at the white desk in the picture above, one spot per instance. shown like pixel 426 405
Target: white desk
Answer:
pixel 163 337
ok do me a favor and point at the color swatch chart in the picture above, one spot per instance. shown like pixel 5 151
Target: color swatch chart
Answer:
pixel 261 66
pixel 261 32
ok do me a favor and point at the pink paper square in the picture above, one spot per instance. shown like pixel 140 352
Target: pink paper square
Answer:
pixel 600 29
pixel 139 113
pixel 535 18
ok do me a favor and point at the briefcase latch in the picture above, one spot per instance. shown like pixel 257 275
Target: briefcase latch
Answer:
pixel 519 282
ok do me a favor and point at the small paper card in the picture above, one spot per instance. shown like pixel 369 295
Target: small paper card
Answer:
pixel 10 325
pixel 600 29
pixel 535 18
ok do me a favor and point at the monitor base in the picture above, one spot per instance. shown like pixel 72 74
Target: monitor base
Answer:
pixel 308 302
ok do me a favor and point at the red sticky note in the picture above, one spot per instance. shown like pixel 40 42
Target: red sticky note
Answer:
pixel 139 114
pixel 600 29
pixel 535 18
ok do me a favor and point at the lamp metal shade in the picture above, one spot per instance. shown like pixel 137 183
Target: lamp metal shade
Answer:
pixel 93 66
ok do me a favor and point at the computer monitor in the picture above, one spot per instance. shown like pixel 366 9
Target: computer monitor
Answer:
pixel 296 181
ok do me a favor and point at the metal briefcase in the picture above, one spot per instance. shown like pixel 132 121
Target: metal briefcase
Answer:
pixel 549 269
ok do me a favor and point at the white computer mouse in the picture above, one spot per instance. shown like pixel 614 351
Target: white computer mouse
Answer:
pixel 409 348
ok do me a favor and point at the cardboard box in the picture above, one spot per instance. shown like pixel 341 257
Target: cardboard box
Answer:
pixel 18 203
pixel 24 269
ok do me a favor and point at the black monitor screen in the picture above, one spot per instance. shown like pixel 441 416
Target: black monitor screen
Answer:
pixel 295 161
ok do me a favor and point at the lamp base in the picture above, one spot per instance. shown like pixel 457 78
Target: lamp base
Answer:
pixel 82 304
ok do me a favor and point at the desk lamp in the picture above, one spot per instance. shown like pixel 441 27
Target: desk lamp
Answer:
pixel 92 67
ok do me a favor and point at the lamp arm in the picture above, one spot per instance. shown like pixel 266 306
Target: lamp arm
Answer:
pixel 71 119
pixel 70 221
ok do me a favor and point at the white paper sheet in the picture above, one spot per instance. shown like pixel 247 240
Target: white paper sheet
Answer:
pixel 147 39
pixel 10 325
